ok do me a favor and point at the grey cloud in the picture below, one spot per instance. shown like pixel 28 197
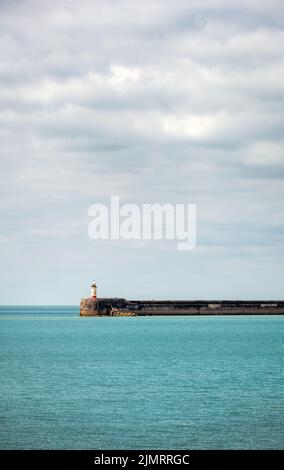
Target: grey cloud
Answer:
pixel 157 101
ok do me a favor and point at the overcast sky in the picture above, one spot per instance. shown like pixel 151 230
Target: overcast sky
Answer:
pixel 154 101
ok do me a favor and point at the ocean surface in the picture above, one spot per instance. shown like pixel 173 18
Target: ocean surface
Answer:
pixel 140 383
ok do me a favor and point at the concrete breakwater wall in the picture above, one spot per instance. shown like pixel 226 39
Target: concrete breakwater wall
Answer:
pixel 123 307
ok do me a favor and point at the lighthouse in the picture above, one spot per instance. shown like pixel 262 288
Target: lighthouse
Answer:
pixel 94 291
pixel 89 306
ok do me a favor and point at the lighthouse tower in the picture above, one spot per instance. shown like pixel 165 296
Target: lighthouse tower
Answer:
pixel 94 291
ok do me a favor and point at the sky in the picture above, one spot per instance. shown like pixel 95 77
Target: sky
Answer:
pixel 159 101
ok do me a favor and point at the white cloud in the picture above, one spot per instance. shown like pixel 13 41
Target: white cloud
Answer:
pixel 159 101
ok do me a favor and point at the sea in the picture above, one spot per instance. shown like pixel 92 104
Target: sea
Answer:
pixel 184 382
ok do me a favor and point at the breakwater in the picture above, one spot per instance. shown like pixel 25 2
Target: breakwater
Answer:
pixel 123 307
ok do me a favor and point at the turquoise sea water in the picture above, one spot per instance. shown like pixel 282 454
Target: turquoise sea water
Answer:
pixel 140 383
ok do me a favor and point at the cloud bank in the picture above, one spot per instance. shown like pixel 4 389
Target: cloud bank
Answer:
pixel 154 101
